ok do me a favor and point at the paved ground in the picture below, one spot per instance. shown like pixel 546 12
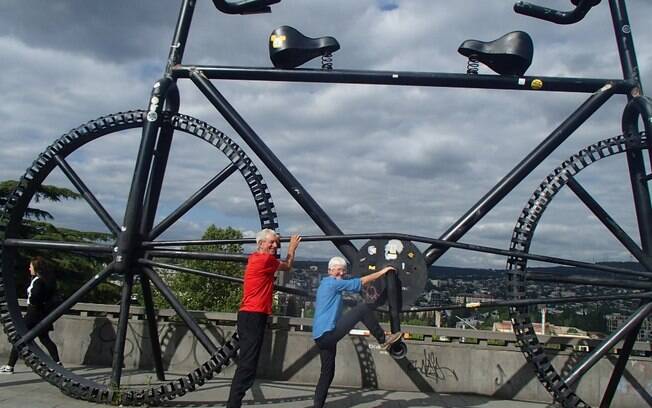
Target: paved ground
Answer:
pixel 24 389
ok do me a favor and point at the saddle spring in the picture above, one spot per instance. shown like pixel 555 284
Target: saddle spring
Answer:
pixel 327 61
pixel 472 66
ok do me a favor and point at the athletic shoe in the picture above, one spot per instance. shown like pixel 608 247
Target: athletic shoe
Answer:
pixel 391 339
pixel 6 369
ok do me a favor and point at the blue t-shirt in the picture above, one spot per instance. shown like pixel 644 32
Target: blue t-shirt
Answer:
pixel 328 305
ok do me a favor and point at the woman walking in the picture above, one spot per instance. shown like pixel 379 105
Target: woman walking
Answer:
pixel 40 294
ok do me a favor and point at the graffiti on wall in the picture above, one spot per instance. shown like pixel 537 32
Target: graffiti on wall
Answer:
pixel 430 368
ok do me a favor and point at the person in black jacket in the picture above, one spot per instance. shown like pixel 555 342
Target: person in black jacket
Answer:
pixel 40 295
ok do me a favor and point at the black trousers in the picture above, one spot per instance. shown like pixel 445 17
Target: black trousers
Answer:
pixel 251 332
pixel 31 319
pixel 327 344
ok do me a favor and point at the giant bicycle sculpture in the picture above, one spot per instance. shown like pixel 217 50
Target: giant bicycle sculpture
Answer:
pixel 137 252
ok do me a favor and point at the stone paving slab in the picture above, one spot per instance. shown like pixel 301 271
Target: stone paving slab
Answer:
pixel 24 389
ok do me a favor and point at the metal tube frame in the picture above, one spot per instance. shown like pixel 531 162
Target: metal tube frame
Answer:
pixel 155 143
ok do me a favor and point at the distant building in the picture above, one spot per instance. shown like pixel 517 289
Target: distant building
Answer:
pixel 551 330
pixel 616 320
pixel 464 298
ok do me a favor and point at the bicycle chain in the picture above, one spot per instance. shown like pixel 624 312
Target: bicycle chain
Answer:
pixel 69 383
pixel 526 337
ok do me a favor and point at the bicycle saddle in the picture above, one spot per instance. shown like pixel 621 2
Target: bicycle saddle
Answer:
pixel 510 54
pixel 288 48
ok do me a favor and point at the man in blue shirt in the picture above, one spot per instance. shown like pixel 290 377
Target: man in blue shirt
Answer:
pixel 329 326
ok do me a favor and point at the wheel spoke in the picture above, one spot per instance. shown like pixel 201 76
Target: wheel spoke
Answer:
pixel 152 326
pixel 88 195
pixel 232 279
pixel 190 202
pixel 66 305
pixel 588 280
pixel 609 222
pixel 85 248
pixel 121 332
pixel 621 364
pixel 211 256
pixel 608 344
pixel 181 311
pixel 526 302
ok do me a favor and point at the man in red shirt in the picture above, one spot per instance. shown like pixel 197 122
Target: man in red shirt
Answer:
pixel 256 305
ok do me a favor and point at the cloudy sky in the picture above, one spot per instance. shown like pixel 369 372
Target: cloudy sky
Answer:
pixel 376 158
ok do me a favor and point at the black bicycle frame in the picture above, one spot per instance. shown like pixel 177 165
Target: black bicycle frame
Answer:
pixel 148 175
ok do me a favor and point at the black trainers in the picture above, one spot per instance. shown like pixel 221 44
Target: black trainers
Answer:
pixel 391 339
pixel 6 369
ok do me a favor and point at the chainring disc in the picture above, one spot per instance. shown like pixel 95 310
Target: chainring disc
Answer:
pixel 404 256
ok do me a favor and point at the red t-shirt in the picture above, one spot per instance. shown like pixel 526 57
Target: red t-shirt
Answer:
pixel 259 283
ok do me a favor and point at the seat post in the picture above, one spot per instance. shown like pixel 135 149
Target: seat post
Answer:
pixel 180 37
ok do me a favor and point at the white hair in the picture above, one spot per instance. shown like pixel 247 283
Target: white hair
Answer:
pixel 262 235
pixel 336 261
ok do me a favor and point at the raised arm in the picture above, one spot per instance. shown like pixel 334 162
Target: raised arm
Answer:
pixel 367 279
pixel 292 248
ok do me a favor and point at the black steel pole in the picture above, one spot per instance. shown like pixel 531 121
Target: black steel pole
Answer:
pixel 518 173
pixel 589 280
pixel 291 184
pixel 527 302
pixel 394 300
pixel 191 201
pixel 232 279
pixel 58 245
pixel 608 344
pixel 121 331
pixel 625 40
pixel 178 45
pixel 88 195
pixel 161 154
pixel 403 78
pixel 608 222
pixel 621 364
pixel 181 311
pixel 639 108
pixel 427 240
pixel 152 326
pixel 131 235
pixel 212 256
pixel 153 193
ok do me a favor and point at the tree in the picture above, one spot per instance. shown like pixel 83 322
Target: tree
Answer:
pixel 44 192
pixel 72 270
pixel 203 293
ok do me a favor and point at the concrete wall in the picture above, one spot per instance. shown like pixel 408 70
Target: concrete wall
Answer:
pixel 442 360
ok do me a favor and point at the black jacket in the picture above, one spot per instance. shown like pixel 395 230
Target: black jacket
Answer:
pixel 40 297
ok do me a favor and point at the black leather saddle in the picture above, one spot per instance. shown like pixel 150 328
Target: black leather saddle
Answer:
pixel 510 54
pixel 288 48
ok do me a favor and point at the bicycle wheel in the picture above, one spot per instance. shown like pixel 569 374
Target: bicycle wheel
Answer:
pixel 13 224
pixel 563 383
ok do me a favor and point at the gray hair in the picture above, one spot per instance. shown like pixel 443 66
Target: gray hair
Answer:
pixel 262 234
pixel 336 261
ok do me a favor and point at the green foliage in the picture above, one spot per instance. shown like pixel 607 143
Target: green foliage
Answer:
pixel 591 319
pixel 44 192
pixel 72 270
pixel 501 315
pixel 204 293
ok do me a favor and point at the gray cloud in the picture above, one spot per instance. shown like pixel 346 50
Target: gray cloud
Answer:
pixel 401 159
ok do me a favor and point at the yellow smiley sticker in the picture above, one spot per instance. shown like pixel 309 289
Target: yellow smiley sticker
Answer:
pixel 536 84
pixel 372 267
pixel 277 40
